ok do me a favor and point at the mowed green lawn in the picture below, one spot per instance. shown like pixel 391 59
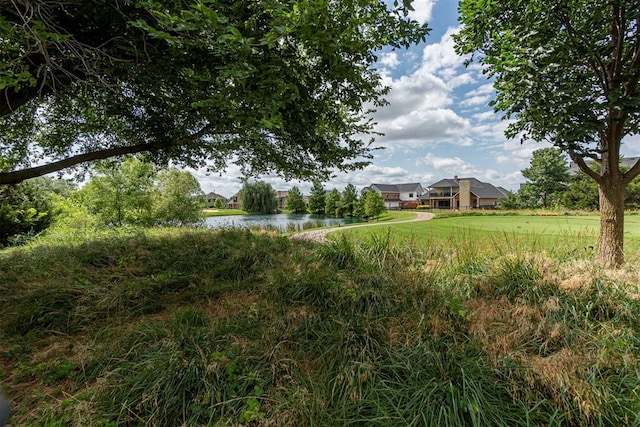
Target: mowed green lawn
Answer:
pixel 552 233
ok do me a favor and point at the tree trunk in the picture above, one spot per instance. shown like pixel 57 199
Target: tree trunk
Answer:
pixel 610 244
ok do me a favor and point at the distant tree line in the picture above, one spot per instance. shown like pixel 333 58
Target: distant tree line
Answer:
pixel 551 184
pixel 348 204
pixel 260 197
pixel 130 192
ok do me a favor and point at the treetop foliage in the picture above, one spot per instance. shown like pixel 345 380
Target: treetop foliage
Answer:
pixel 567 74
pixel 295 201
pixel 272 85
pixel 317 198
pixel 374 204
pixel 548 173
pixel 258 197
pixel 133 192
pixel 332 203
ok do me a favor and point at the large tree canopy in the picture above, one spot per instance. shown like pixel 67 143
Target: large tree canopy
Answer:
pixel 273 85
pixel 567 73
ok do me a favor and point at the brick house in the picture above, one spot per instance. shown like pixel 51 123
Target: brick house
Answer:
pixel 463 194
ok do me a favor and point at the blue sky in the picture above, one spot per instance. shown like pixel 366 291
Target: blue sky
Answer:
pixel 438 123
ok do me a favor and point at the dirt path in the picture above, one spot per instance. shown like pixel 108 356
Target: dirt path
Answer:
pixel 321 235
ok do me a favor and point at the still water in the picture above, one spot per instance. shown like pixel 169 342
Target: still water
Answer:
pixel 283 222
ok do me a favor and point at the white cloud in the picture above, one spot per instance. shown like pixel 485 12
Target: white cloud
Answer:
pixel 441 57
pixel 517 155
pixel 390 59
pixel 503 159
pixel 420 103
pixel 464 141
pixel 427 126
pixel 475 100
pixel 448 166
pixel 631 146
pixel 484 116
pixel 510 181
pixel 485 89
pixel 491 131
pixel 422 10
pixel 369 175
pixel 385 172
pixel 414 93
pixel 466 78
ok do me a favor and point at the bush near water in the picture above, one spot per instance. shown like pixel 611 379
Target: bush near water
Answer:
pixel 195 327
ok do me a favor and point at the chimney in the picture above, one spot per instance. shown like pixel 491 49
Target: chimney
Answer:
pixel 455 178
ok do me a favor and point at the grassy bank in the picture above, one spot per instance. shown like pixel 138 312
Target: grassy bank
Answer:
pixel 201 327
pixel 558 236
pixel 223 212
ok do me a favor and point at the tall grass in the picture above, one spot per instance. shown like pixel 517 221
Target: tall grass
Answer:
pixel 228 327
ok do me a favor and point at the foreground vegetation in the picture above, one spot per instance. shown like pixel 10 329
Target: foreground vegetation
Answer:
pixel 200 327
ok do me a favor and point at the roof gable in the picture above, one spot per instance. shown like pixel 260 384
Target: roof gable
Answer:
pixel 398 188
pixel 214 195
pixel 412 186
pixel 388 188
pixel 445 183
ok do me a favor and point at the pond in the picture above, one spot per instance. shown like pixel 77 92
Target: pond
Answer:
pixel 283 222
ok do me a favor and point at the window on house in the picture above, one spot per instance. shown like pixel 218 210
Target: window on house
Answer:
pixel 410 194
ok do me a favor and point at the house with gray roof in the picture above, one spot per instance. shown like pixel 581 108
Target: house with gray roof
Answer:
pixel 398 196
pixel 463 194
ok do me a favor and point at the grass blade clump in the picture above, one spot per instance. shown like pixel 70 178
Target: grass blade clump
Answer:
pixel 179 371
pixel 340 253
pixel 519 278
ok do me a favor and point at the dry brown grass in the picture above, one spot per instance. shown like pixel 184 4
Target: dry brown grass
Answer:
pixel 523 334
pixel 490 323
pixel 30 387
pixel 559 374
pixel 231 304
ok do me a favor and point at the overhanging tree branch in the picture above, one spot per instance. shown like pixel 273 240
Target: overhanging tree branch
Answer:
pixel 18 176
pixel 15 177
pixel 584 167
